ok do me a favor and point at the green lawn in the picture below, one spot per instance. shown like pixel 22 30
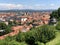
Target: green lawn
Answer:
pixel 56 41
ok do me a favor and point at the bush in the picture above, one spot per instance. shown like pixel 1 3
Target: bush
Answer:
pixel 13 42
pixel 6 28
pixel 43 34
pixel 2 26
pixel 47 33
pixel 10 38
pixel 30 37
pixel 58 26
pixel 3 42
pixel 30 40
pixel 20 37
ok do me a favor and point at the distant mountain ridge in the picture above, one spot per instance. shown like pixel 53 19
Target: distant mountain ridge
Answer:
pixel 26 10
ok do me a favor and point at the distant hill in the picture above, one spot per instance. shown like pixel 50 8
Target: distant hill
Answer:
pixel 26 10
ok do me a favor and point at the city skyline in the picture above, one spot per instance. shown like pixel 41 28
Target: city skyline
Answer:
pixel 29 4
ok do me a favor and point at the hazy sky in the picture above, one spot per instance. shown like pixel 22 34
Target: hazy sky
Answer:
pixel 29 4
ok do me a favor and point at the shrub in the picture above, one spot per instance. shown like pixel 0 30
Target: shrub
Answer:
pixel 30 40
pixel 47 33
pixel 3 42
pixel 10 38
pixel 58 26
pixel 2 26
pixel 13 42
pixel 21 37
pixel 6 28
pixel 30 37
pixel 43 34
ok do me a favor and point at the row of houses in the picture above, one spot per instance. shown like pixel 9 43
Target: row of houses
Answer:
pixel 39 17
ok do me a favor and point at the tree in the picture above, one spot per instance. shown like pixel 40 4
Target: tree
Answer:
pixel 8 30
pixel 59 12
pixel 47 33
pixel 55 14
pixel 29 37
pixel 15 23
pixel 31 40
pixel 20 37
pixel 10 23
pixel 5 29
pixel 43 34
pixel 3 26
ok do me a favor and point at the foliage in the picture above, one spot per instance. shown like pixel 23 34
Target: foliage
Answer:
pixel 59 12
pixel 2 26
pixel 13 42
pixel 10 38
pixel 43 34
pixel 47 33
pixel 30 37
pixel 12 23
pixel 56 14
pixel 20 37
pixel 6 29
pixel 30 40
pixel 58 26
pixel 3 42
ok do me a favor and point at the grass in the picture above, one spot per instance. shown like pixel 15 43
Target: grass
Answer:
pixel 58 43
pixel 55 41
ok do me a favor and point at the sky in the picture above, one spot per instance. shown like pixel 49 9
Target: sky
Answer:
pixel 29 4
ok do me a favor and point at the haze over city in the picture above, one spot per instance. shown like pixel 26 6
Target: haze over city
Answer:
pixel 29 4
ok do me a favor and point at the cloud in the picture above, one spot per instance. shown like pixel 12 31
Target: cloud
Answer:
pixel 5 6
pixel 11 6
pixel 52 4
pixel 19 6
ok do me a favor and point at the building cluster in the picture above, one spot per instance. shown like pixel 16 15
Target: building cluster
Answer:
pixel 27 19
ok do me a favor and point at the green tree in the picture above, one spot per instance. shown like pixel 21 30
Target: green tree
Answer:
pixel 59 12
pixel 30 40
pixel 29 37
pixel 47 33
pixel 6 29
pixel 55 14
pixel 3 26
pixel 20 37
